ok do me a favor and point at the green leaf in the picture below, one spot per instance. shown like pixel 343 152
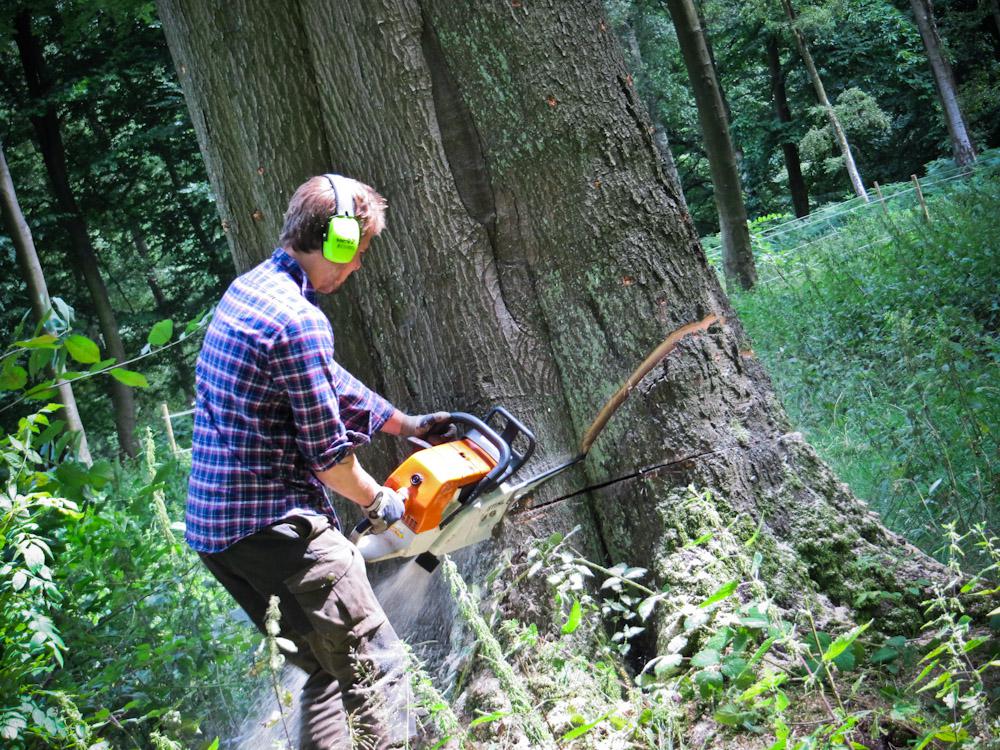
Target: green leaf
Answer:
pixel 13 377
pixel 733 666
pixel 572 734
pixel 883 655
pixel 836 648
pixel 82 349
pixel 705 658
pixel 730 715
pixel 102 365
pixel 708 681
pixel 721 593
pixel 130 377
pixel 488 718
pixel 214 745
pixel 161 333
pixel 45 341
pixel 575 616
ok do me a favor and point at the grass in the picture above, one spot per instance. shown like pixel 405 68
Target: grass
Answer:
pixel 879 329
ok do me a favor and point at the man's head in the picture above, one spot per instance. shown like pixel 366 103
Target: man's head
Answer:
pixel 308 218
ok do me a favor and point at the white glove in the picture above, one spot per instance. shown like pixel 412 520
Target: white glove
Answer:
pixel 385 509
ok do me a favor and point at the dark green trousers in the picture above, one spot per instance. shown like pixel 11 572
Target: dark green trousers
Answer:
pixel 357 693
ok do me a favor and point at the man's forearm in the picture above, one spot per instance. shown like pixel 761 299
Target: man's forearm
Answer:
pixel 395 424
pixel 349 479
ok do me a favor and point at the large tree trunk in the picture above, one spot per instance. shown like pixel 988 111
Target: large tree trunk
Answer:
pixel 737 256
pixel 782 113
pixel 944 81
pixel 38 293
pixel 534 255
pixel 46 124
pixel 634 50
pixel 839 135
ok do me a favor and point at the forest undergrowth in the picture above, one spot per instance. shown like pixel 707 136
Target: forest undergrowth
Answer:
pixel 879 327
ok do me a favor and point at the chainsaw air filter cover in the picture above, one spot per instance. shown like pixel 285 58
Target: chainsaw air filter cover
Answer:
pixel 433 477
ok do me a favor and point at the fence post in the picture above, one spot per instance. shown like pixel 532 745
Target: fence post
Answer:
pixel 920 197
pixel 881 198
pixel 165 412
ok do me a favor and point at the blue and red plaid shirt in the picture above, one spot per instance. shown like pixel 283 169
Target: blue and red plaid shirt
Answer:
pixel 272 408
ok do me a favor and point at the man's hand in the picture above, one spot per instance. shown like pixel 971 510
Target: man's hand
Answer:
pixel 385 510
pixel 428 425
pixel 434 427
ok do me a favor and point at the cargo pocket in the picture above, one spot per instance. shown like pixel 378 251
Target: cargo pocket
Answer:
pixel 335 594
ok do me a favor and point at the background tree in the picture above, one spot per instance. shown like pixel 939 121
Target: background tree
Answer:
pixel 41 304
pixel 790 151
pixel 652 98
pixel 532 230
pixel 963 150
pixel 82 255
pixel 737 257
pixel 135 173
pixel 838 130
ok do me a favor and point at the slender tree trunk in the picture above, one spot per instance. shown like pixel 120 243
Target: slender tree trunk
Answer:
pixel 838 131
pixel 535 254
pixel 793 165
pixel 178 186
pixel 139 240
pixel 944 81
pixel 660 138
pixel 737 256
pixel 38 293
pixel 46 124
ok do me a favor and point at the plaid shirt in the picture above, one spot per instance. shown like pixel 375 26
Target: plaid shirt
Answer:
pixel 272 408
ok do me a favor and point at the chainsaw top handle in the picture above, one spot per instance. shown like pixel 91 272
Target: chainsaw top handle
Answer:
pixel 502 438
pixel 488 435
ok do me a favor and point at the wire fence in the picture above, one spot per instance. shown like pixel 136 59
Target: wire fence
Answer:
pixel 830 221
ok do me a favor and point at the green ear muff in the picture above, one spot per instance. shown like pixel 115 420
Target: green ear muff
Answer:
pixel 343 235
pixel 342 239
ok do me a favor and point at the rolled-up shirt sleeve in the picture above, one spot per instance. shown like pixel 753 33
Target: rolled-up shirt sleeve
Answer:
pixel 333 411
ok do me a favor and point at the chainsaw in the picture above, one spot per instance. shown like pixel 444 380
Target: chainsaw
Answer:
pixel 458 491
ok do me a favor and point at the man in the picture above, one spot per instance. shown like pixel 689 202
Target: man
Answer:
pixel 277 418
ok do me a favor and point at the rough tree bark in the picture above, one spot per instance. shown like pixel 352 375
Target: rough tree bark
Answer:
pixel 737 256
pixel 534 256
pixel 838 130
pixel 634 50
pixel 38 292
pixel 944 81
pixel 46 125
pixel 782 113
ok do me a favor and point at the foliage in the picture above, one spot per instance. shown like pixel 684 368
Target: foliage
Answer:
pixel 114 634
pixel 873 66
pixel 730 667
pixel 136 173
pixel 879 329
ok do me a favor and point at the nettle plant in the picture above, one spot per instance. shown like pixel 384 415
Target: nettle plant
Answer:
pixel 754 668
pixel 32 646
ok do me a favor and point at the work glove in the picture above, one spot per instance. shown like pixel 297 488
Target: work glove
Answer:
pixel 433 428
pixel 385 509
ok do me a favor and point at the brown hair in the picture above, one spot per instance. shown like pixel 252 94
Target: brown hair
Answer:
pixel 312 205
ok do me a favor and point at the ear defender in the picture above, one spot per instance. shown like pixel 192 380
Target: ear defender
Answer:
pixel 343 235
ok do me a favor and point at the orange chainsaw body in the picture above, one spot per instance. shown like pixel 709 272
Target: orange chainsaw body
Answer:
pixel 431 477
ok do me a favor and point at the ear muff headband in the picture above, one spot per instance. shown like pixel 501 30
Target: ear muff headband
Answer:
pixel 343 235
